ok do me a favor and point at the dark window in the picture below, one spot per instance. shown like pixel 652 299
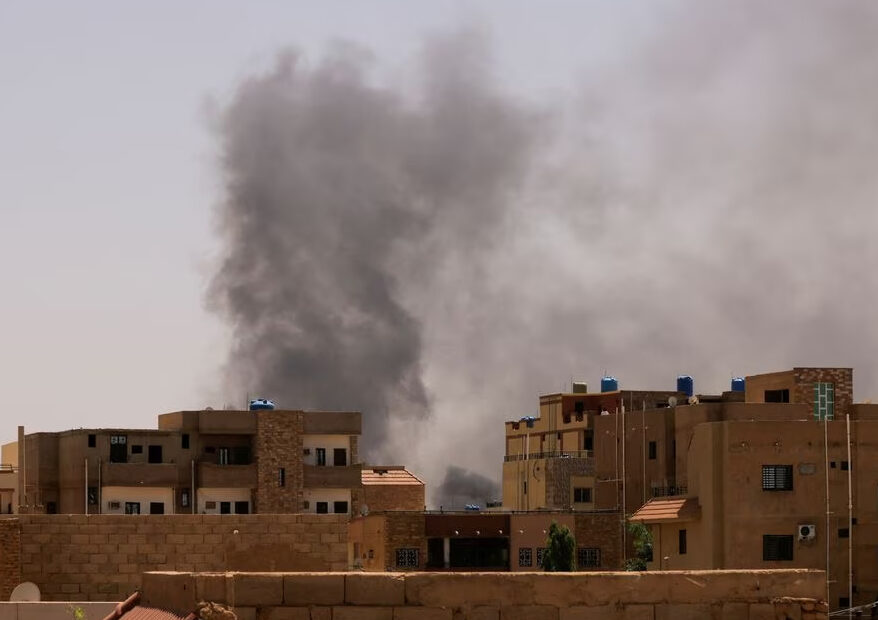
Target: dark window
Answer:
pixel 777 396
pixel 321 456
pixel 340 508
pixel 281 477
pixel 854 521
pixel 339 457
pixel 239 456
pixel 844 465
pixel 777 548
pixel 136 449
pixel 582 495
pixel 844 532
pixel 322 508
pixel 524 487
pixel 832 464
pixel 51 508
pixel 184 441
pixel 242 508
pixel 156 508
pixel 579 406
pixel 92 440
pixel 682 541
pixel 155 454
pixel 225 508
pixel 132 508
pixel 588 441
pixel 210 505
pixel 777 477
pixel 588 557
pixel 541 553
pixel 652 450
pixel 407 558
pixel 184 498
pixel 118 449
pixel 209 450
pixel 844 602
pixel 566 417
pixel 525 556
pixel 92 496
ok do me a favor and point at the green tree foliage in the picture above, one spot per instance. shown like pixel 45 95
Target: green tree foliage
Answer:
pixel 642 538
pixel 560 551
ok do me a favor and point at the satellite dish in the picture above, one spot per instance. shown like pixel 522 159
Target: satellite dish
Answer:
pixel 693 400
pixel 672 401
pixel 26 592
pixel 364 510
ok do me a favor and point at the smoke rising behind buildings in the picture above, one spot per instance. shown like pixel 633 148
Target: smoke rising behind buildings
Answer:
pixel 436 252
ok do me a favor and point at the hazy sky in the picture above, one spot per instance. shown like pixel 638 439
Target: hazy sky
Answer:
pixel 108 175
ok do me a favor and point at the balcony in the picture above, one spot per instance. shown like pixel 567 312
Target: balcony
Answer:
pixel 134 474
pixel 673 489
pixel 332 423
pixel 226 476
pixel 556 454
pixel 316 477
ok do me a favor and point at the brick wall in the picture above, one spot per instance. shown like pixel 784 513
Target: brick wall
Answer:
pixel 387 497
pixel 10 558
pixel 558 473
pixel 404 530
pixel 279 445
pixel 101 557
pixel 841 377
pixel 757 595
pixel 602 531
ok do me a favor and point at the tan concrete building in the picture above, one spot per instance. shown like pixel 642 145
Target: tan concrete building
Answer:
pixel 205 462
pixel 391 487
pixel 740 480
pixel 9 478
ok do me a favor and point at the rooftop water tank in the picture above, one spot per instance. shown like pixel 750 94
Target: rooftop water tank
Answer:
pixel 738 384
pixel 261 403
pixel 609 384
pixel 686 384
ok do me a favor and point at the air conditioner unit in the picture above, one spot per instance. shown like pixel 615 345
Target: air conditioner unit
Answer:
pixel 807 532
pixel 114 505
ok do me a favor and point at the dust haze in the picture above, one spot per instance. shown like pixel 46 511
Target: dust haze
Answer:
pixel 436 252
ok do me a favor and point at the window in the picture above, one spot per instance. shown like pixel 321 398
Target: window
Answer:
pixel 340 508
pixel 156 508
pixel 222 456
pixel 844 602
pixel 845 466
pixel 541 553
pixel 777 548
pixel 653 450
pixel 339 457
pixel 582 495
pixel 681 540
pixel 824 401
pixel 844 532
pixel 92 440
pixel 184 498
pixel 118 448
pixel 210 505
pixel 321 456
pixel 51 508
pixel 281 477
pixel 777 477
pixel 225 508
pixel 524 487
pixel 136 449
pixel 407 558
pixel 525 556
pixel 579 408
pixel 566 417
pixel 242 508
pixel 588 440
pixel 777 396
pixel 92 496
pixel 132 508
pixel 588 557
pixel 155 454
pixel 322 508
pixel 673 448
pixel 184 441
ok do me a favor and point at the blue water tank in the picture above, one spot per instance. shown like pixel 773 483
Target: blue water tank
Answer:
pixel 261 403
pixel 686 384
pixel 738 384
pixel 609 384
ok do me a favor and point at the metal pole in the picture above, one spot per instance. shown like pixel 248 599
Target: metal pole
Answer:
pixel 643 447
pixel 828 512
pixel 192 491
pixel 847 419
pixel 86 485
pixel 624 507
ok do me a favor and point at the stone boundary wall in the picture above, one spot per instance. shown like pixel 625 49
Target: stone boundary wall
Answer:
pixel 102 557
pixel 670 595
pixel 54 611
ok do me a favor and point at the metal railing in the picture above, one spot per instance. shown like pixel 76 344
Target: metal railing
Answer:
pixel 556 454
pixel 672 490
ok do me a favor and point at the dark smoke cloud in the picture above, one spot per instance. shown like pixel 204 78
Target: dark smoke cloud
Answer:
pixel 461 486
pixel 437 254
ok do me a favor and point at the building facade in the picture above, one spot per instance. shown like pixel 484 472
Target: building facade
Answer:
pixel 391 487
pixel 205 462
pixel 9 478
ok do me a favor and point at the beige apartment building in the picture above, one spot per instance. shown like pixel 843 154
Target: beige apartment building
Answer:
pixel 9 478
pixel 752 478
pixel 205 462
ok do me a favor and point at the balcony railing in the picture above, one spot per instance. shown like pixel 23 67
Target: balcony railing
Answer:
pixel 233 476
pixel 672 490
pixel 134 474
pixel 556 454
pixel 317 476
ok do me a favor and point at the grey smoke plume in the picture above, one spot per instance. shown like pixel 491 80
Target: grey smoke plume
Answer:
pixel 461 486
pixel 437 254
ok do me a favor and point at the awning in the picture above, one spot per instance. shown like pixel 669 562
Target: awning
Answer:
pixel 668 509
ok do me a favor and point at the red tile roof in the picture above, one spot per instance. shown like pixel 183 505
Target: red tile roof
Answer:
pixel 130 610
pixel 662 510
pixel 391 475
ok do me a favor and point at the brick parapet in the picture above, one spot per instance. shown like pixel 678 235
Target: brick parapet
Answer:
pixel 843 381
pixel 278 445
pixel 10 556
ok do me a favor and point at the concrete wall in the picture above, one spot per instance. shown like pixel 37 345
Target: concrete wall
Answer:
pixel 744 595
pixel 54 611
pixel 383 497
pixel 102 557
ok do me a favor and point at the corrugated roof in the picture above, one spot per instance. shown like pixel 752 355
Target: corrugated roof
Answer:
pixel 130 610
pixel 390 476
pixel 665 509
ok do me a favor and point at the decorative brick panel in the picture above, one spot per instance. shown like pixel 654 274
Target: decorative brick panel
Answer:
pixel 842 378
pixel 558 474
pixel 602 531
pixel 404 531
pixel 278 444
pixel 10 556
